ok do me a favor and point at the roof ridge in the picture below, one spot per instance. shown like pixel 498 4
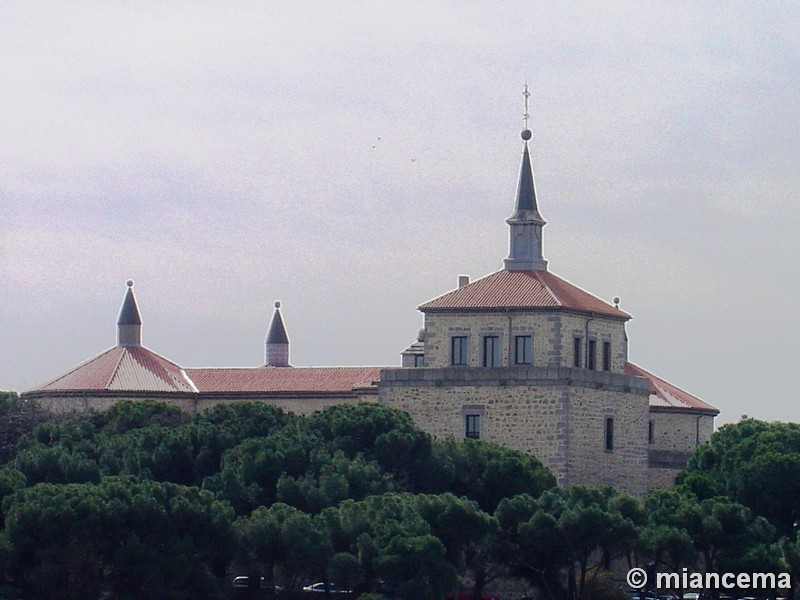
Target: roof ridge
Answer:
pixel 547 287
pixel 169 379
pixel 115 370
pixel 189 380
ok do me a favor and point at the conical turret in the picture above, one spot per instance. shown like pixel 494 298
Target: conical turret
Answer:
pixel 129 323
pixel 277 344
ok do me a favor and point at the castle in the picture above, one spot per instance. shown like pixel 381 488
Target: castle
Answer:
pixel 520 357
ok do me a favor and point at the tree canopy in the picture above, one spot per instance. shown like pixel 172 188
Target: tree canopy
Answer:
pixel 143 501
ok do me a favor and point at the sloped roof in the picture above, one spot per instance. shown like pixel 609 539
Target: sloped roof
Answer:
pixel 528 289
pixel 665 395
pixel 129 368
pixel 285 379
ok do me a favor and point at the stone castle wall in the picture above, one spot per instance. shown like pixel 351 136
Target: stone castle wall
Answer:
pixel 675 436
pixel 558 415
pixel 197 403
pixel 552 331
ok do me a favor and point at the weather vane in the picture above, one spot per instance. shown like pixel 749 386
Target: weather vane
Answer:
pixel 526 133
pixel 527 95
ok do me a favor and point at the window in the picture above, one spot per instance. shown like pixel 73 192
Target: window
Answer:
pixel 523 350
pixel 472 426
pixel 419 360
pixel 609 434
pixel 491 351
pixel 577 344
pixel 651 432
pixel 591 360
pixel 459 350
pixel 606 356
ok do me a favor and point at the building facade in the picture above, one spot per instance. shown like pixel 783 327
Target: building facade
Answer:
pixel 521 358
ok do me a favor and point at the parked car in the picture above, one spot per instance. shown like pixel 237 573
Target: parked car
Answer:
pixel 320 588
pixel 243 581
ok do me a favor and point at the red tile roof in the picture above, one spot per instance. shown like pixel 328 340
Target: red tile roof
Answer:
pixel 285 379
pixel 522 290
pixel 129 368
pixel 665 395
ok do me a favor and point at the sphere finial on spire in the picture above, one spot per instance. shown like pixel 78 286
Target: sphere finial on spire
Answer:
pixel 277 303
pixel 129 283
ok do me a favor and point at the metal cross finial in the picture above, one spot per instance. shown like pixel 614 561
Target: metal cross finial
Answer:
pixel 527 95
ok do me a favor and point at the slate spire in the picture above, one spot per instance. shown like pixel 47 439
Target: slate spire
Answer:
pixel 526 223
pixel 277 343
pixel 129 323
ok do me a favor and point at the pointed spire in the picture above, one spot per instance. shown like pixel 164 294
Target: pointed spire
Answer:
pixel 526 223
pixel 277 343
pixel 129 323
pixel 526 208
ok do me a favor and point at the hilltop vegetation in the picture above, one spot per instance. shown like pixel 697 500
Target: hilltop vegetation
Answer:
pixel 144 501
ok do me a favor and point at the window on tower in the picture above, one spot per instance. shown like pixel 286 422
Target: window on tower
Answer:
pixel 609 434
pixel 491 351
pixel 606 356
pixel 459 350
pixel 577 350
pixel 523 350
pixel 472 426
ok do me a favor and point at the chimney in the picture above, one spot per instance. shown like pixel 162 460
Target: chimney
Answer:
pixel 463 280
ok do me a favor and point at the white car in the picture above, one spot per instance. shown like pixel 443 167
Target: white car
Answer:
pixel 320 588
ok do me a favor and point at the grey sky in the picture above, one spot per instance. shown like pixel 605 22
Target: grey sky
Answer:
pixel 351 159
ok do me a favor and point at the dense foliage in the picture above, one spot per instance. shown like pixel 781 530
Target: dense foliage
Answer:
pixel 144 501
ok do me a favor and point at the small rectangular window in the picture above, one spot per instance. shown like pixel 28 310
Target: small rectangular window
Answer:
pixel 458 355
pixel 592 358
pixel 472 424
pixel 609 433
pixel 523 350
pixel 491 351
pixel 419 360
pixel 606 356
pixel 651 432
pixel 577 346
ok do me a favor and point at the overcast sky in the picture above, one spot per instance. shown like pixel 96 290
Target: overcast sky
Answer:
pixel 352 159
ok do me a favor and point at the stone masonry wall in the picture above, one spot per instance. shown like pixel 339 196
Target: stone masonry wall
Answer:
pixel 552 331
pixel 558 415
pixel 676 434
pixel 196 403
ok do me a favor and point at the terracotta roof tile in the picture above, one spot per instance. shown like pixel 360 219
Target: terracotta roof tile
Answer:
pixel 131 368
pixel 522 290
pixel 665 395
pixel 285 379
